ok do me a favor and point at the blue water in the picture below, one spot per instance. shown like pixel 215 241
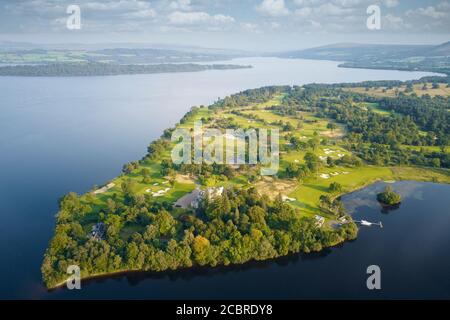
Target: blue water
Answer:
pixel 68 134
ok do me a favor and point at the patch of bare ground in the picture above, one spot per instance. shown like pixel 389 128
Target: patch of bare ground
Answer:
pixel 184 178
pixel 272 187
pixel 335 134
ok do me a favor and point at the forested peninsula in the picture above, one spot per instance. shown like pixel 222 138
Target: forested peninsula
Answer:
pixel 159 215
pixel 107 69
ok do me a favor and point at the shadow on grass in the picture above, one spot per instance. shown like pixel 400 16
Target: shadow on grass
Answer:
pixel 317 187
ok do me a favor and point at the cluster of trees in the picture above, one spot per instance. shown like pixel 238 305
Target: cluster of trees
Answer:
pixel 104 69
pixel 130 166
pixel 250 116
pixel 285 126
pixel 283 111
pixel 381 138
pixel 389 197
pixel 335 187
pixel 430 114
pixel 333 206
pixel 313 164
pixel 237 227
pixel 390 84
pixel 249 97
pixel 157 148
pixel 203 172
pixel 380 154
pixel 226 123
pixel 304 170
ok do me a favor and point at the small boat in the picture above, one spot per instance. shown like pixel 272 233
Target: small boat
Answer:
pixel 367 223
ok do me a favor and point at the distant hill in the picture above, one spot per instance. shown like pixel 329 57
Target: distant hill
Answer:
pixel 441 50
pixel 13 53
pixel 435 58
pixel 354 51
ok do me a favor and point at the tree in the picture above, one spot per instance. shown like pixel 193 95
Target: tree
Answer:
pixel 226 204
pixel 330 162
pixel 325 202
pixel 292 170
pixel 131 254
pixel 201 247
pixel 312 161
pixel 335 187
pixel 389 197
pixel 331 126
pixel 257 216
pixel 145 172
pixel 113 225
pixel 314 142
pixel 165 223
pixel 111 205
pixel 129 167
pixel 409 88
pixel 71 208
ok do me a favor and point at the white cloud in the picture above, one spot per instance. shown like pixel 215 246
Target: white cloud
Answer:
pixel 250 27
pixel 340 3
pixel 313 16
pixel 142 14
pixel 351 3
pixel 273 8
pixel 445 5
pixel 304 12
pixel 182 5
pixel 324 11
pixel 119 5
pixel 275 25
pixel 315 24
pixel 198 17
pixel 429 12
pixel 391 3
pixel 329 9
pixel 305 2
pixel 126 9
pixel 432 18
pixel 393 22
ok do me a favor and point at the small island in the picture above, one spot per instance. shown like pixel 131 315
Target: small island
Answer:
pixel 389 197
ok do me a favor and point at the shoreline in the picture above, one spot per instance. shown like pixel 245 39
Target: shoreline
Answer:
pixel 124 272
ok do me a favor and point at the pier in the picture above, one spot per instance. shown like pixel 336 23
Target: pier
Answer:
pixel 368 224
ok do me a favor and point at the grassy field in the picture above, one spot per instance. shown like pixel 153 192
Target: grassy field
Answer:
pixel 426 148
pixel 48 57
pixel 443 90
pixel 308 193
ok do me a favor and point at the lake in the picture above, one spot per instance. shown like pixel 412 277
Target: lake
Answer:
pixel 68 134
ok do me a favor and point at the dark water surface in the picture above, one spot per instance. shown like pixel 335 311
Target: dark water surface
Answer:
pixel 67 134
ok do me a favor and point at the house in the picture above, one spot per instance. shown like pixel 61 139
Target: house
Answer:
pixel 319 221
pixel 211 192
pixel 343 220
pixel 98 231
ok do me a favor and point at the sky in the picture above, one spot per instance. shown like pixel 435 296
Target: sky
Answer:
pixel 269 25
